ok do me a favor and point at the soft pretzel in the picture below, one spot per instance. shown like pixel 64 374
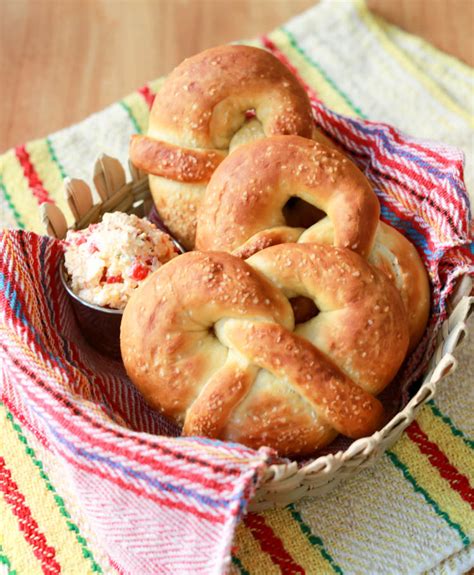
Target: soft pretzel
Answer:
pixel 398 258
pixel 210 340
pixel 201 112
pixel 245 199
pixel 243 212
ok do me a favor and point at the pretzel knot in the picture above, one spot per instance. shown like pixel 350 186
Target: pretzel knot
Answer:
pixel 245 200
pixel 243 211
pixel 201 113
pixel 217 349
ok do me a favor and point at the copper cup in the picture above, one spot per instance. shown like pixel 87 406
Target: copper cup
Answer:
pixel 99 325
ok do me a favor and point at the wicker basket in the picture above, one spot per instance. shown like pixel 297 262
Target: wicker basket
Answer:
pixel 287 482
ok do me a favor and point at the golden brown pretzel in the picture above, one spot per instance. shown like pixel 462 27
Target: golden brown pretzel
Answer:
pixel 243 212
pixel 210 340
pixel 398 258
pixel 200 113
pixel 244 202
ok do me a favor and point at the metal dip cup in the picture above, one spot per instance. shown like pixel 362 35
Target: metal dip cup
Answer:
pixel 99 325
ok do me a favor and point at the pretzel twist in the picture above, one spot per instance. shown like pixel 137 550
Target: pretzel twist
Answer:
pixel 397 257
pixel 243 211
pixel 210 340
pixel 200 114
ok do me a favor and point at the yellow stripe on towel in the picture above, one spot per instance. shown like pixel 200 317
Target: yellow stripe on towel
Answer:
pixel 50 173
pixel 18 189
pixel 431 481
pixel 457 452
pixel 42 502
pixel 324 89
pixel 409 66
pixel 14 544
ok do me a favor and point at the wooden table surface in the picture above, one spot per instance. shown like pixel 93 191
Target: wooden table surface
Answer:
pixel 61 60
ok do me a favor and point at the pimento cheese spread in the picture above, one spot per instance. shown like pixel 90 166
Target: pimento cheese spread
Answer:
pixel 108 260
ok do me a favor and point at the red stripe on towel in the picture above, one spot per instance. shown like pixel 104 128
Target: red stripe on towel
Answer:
pixel 34 181
pixel 45 554
pixel 272 544
pixel 438 460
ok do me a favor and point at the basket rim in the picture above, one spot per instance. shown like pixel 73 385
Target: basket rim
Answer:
pixel 287 477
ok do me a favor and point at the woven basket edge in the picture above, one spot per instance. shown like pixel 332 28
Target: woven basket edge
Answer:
pixel 325 472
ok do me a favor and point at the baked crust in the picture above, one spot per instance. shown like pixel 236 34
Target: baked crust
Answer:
pixel 172 161
pixel 199 114
pixel 249 190
pixel 210 340
pixel 399 259
pixel 243 213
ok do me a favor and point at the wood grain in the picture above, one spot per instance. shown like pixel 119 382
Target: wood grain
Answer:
pixel 61 60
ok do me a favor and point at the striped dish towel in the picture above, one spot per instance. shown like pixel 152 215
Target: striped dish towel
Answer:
pixel 82 493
